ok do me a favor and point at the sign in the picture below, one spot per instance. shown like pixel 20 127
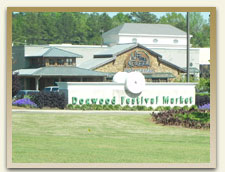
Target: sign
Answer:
pixel 154 94
pixel 138 61
pixel 147 70
pixel 123 100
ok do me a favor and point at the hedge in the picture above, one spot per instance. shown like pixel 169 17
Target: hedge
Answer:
pixel 49 99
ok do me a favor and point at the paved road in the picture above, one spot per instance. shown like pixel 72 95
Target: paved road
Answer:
pixel 80 112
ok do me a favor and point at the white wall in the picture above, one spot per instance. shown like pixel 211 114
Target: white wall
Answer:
pixel 204 56
pixel 148 40
pixel 154 91
pixel 178 56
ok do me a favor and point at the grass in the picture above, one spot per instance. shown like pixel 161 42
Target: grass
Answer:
pixel 117 138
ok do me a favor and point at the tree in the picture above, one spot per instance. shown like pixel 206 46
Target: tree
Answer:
pixel 16 85
pixel 121 18
pixel 144 17
pixel 85 28
pixel 200 30
pixel 175 19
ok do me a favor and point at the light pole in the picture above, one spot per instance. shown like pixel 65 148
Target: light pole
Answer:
pixel 101 31
pixel 188 42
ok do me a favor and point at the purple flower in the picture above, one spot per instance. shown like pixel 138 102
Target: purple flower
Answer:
pixel 24 102
pixel 205 106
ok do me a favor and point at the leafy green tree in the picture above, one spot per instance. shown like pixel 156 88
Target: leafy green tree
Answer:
pixel 200 30
pixel 144 17
pixel 175 19
pixel 86 28
pixel 121 18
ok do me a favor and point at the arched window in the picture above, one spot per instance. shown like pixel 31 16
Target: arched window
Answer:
pixel 155 40
pixel 134 40
pixel 175 41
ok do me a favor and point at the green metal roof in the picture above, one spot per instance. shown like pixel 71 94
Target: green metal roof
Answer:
pixel 150 76
pixel 192 69
pixel 159 75
pixel 59 71
pixel 56 52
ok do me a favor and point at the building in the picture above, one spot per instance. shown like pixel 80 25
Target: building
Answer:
pixel 44 65
pixel 149 35
pixel 166 40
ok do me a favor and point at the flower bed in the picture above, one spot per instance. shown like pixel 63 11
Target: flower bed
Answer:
pixel 24 103
pixel 205 106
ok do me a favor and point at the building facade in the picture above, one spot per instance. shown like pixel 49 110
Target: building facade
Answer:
pixel 158 51
pixel 150 35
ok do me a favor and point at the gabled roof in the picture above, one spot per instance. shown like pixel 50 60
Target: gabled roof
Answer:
pixel 122 48
pixel 95 63
pixel 59 71
pixel 143 28
pixel 57 52
pixel 192 69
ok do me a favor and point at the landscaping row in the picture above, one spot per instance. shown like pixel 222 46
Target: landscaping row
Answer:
pixel 57 100
pixel 191 118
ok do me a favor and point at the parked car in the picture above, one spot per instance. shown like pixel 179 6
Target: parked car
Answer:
pixel 22 93
pixel 51 89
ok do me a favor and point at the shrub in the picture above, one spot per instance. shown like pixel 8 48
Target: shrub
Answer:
pixel 25 102
pixel 176 108
pixel 194 107
pixel 203 85
pixel 77 107
pixel 201 100
pixel 49 99
pixel 69 106
pixel 126 107
pixel 191 118
pixel 117 107
pixel 185 108
pixel 16 85
pixel 150 108
pixel 159 108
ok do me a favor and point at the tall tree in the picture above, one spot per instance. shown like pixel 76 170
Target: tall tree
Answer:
pixel 121 18
pixel 144 17
pixel 200 30
pixel 175 19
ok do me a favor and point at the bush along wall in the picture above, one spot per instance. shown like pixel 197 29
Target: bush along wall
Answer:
pixel 192 118
pixel 49 99
pixel 125 108
pixel 202 99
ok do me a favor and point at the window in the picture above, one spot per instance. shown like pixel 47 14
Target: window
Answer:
pixel 51 62
pixel 159 80
pixel 155 40
pixel 155 80
pixel 134 40
pixel 69 61
pixel 175 41
pixel 60 61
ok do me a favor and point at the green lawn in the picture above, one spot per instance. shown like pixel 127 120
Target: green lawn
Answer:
pixel 70 138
